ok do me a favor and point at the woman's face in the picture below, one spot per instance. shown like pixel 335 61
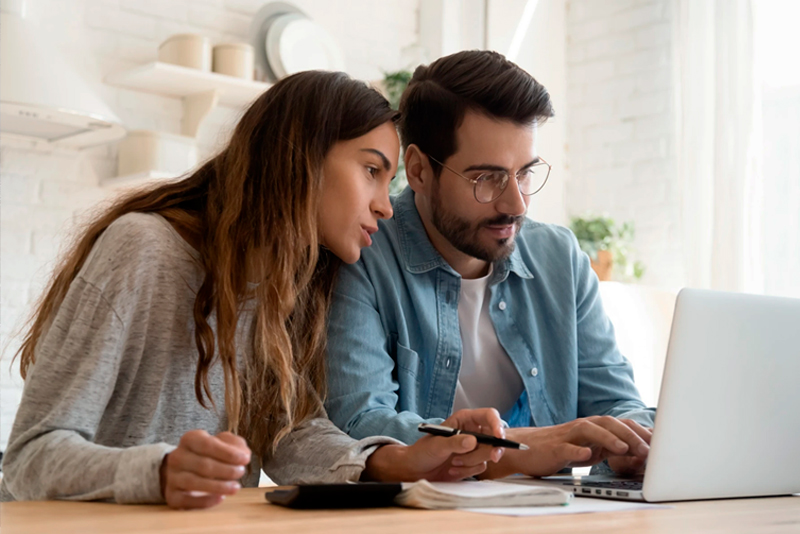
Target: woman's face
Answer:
pixel 355 190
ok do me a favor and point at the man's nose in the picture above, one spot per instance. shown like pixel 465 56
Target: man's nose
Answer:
pixel 512 201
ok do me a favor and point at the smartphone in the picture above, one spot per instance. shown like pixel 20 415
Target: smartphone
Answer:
pixel 354 495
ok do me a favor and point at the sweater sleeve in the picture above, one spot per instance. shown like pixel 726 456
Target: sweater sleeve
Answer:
pixel 51 452
pixel 317 452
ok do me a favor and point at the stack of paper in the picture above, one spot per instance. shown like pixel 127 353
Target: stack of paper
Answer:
pixel 478 494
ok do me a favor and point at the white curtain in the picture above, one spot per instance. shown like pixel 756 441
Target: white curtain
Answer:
pixel 777 43
pixel 719 145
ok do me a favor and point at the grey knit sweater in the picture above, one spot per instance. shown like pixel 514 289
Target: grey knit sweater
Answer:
pixel 112 390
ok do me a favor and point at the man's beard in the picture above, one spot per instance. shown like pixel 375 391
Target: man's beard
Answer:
pixel 464 236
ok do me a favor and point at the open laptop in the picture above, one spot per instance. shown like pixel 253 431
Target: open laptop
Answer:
pixel 728 421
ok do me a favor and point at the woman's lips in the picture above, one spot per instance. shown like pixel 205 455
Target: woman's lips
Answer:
pixel 366 233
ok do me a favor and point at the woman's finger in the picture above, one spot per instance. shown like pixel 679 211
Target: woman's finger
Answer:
pixel 207 467
pixel 187 481
pixel 232 439
pixel 202 444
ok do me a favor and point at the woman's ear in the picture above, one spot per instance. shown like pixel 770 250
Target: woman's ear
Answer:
pixel 418 169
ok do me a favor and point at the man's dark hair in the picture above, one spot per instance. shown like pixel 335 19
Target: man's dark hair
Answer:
pixel 439 95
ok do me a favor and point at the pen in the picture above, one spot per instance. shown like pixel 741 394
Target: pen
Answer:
pixel 486 439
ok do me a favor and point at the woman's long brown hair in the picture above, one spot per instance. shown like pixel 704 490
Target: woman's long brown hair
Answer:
pixel 253 209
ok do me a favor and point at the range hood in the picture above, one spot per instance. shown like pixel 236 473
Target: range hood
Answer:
pixel 42 99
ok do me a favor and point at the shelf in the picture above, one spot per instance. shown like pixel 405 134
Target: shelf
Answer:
pixel 199 91
pixel 174 80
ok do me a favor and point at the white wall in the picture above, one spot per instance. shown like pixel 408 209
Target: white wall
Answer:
pixel 607 65
pixel 609 69
pixel 621 127
pixel 543 54
pixel 42 194
pixel 447 26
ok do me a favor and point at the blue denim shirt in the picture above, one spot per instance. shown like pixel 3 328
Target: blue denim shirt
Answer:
pixel 394 345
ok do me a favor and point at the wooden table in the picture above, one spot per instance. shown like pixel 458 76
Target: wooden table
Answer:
pixel 247 512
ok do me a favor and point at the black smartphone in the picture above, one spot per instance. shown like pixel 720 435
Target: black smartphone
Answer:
pixel 357 495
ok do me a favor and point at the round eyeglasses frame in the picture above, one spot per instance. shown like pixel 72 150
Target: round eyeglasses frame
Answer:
pixel 498 190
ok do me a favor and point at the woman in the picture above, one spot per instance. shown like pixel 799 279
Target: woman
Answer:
pixel 193 314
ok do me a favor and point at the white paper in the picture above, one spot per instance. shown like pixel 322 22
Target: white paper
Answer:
pixel 446 495
pixel 579 505
pixel 479 488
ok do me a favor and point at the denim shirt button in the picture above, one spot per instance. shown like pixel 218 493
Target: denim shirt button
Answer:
pixel 534 371
pixel 447 363
pixel 502 305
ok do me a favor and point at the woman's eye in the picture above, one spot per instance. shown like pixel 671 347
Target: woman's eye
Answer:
pixel 373 171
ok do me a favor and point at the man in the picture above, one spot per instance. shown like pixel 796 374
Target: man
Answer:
pixel 462 302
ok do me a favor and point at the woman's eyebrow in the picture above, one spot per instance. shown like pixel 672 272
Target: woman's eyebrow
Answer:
pixel 384 159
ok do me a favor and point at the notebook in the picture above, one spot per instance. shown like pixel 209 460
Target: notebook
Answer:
pixel 421 494
pixel 477 494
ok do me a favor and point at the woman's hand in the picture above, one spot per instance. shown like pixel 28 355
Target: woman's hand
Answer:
pixel 439 458
pixel 203 469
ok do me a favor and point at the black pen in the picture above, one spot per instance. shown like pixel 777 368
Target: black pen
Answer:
pixel 486 439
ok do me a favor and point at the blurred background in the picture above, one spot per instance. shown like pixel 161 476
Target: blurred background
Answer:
pixel 674 145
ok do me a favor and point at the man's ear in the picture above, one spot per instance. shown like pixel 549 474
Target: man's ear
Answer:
pixel 418 169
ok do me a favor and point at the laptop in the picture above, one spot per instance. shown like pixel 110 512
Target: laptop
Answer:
pixel 728 421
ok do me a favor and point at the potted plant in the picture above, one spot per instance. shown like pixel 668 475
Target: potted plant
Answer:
pixel 607 245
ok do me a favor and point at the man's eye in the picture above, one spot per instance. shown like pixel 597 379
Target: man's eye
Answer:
pixel 491 178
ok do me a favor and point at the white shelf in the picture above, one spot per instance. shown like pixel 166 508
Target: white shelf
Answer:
pixel 199 91
pixel 175 80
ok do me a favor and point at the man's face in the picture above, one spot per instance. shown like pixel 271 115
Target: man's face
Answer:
pixel 483 231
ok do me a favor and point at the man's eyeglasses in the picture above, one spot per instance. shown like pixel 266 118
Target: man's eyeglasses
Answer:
pixel 489 185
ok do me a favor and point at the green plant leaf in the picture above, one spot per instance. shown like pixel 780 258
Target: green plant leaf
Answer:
pixel 595 233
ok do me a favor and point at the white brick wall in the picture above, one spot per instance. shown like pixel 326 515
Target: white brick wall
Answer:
pixel 620 132
pixel 619 124
pixel 43 194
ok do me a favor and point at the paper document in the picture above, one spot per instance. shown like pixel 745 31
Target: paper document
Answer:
pixel 484 493
pixel 579 505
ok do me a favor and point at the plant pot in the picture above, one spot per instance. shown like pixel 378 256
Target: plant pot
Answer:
pixel 603 265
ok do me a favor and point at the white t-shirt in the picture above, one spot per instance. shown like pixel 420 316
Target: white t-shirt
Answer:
pixel 488 378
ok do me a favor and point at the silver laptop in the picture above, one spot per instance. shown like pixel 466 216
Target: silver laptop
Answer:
pixel 728 422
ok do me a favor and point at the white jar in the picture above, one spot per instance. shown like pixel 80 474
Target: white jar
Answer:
pixel 144 151
pixel 234 59
pixel 188 50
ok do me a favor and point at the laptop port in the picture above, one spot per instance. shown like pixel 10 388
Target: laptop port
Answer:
pixel 609 492
pixel 622 493
pixel 598 492
pixel 586 490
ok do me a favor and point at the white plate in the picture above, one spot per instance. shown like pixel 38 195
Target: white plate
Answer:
pixel 294 43
pixel 257 35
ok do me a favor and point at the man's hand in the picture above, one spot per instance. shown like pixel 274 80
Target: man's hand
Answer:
pixel 579 443
pixel 439 458
pixel 203 469
pixel 629 464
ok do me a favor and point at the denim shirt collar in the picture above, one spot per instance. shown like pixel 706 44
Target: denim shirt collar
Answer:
pixel 420 256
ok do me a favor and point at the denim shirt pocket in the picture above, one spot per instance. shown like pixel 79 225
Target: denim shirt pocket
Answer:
pixel 408 367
